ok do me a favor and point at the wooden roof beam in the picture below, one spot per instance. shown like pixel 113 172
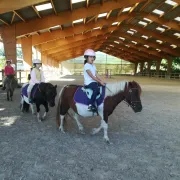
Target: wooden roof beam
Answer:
pixel 108 14
pixel 92 18
pixel 124 57
pixel 160 21
pixel 147 42
pixel 75 44
pixel 19 16
pixel 120 11
pixel 54 44
pixel 132 9
pixel 67 16
pixel 79 45
pixel 70 1
pixel 87 3
pixel 4 21
pixel 53 7
pixel 145 5
pixel 126 51
pixel 144 49
pixel 45 37
pixel 135 51
pixel 121 54
pixel 80 49
pixel 67 57
pixel 155 34
pixel 71 55
pixel 13 17
pixel 10 5
pixel 36 11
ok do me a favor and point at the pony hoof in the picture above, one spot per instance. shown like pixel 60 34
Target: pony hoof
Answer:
pixel 43 118
pixel 107 140
pixel 61 129
pixel 82 131
pixel 39 120
pixel 93 132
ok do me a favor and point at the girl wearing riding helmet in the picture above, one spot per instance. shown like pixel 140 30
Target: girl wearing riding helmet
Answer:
pixel 91 77
pixel 37 76
pixel 8 70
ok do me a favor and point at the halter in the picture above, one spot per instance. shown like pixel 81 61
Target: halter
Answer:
pixel 131 101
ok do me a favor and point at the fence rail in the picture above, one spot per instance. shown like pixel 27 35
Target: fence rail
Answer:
pixel 160 75
pixel 22 76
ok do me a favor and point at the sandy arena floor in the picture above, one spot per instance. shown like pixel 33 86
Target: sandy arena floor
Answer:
pixel 144 146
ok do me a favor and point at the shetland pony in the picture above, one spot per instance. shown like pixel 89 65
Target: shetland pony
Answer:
pixel 114 94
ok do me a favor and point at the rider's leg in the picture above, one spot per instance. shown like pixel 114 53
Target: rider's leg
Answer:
pixel 29 92
pixel 94 87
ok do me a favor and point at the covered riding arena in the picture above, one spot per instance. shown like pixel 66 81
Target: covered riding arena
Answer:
pixel 143 145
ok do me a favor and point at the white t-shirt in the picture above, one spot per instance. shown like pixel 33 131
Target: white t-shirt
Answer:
pixel 87 78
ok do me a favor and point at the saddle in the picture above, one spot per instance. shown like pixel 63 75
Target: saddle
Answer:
pixel 24 90
pixel 83 95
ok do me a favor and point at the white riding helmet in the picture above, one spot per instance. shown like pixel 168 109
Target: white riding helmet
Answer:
pixel 37 61
pixel 89 52
pixel 9 60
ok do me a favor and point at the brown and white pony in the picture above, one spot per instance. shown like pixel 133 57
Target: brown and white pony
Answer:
pixel 114 94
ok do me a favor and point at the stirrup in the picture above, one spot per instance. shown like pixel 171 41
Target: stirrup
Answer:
pixel 30 101
pixel 92 109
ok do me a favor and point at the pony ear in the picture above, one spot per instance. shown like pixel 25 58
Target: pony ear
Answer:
pixel 130 84
pixel 55 86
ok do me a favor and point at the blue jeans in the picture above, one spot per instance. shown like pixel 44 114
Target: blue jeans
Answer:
pixel 93 86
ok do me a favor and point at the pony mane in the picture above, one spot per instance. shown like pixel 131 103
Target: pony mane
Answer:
pixel 114 88
pixel 136 85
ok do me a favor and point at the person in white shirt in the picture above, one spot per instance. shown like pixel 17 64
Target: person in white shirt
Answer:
pixel 91 77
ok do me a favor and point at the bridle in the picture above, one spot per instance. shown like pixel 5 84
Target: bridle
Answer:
pixel 130 92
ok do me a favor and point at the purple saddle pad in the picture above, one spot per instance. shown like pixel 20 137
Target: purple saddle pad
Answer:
pixel 82 95
pixel 24 90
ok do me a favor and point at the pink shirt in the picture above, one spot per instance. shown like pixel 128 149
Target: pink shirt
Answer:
pixel 9 70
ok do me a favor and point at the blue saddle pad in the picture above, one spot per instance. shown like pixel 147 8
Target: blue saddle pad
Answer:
pixel 82 95
pixel 24 90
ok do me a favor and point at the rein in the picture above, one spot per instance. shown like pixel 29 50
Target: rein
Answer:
pixel 41 92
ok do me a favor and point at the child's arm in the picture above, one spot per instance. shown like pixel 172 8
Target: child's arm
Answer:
pixel 98 77
pixel 94 78
pixel 13 71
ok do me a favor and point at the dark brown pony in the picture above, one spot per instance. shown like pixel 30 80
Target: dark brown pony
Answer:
pixel 115 93
pixel 10 84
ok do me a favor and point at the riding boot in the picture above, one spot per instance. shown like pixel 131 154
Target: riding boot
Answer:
pixel 92 108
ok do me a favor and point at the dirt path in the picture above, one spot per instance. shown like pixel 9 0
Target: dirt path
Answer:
pixel 144 146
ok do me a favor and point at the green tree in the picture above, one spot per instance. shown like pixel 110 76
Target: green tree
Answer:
pixel 2 62
pixel 2 52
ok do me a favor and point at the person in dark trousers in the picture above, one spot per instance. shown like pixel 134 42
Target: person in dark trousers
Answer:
pixel 91 77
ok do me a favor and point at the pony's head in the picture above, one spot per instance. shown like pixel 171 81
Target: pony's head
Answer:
pixel 132 96
pixel 50 93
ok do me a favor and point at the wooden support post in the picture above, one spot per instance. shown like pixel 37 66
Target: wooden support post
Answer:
pixel 9 40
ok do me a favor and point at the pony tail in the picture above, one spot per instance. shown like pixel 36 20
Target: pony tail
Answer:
pixel 58 107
